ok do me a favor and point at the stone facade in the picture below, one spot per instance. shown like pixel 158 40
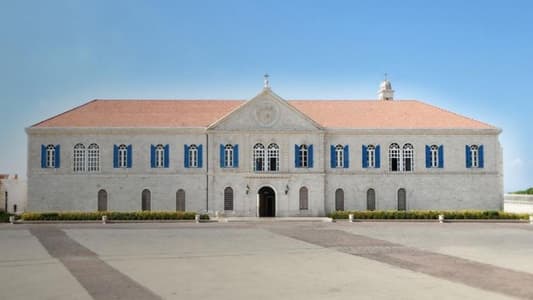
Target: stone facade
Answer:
pixel 265 119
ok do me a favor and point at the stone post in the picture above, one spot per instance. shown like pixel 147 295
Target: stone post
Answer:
pixel 441 218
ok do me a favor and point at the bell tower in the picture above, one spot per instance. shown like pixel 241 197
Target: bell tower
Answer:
pixel 385 90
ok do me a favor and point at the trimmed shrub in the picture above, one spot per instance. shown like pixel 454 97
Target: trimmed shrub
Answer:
pixel 111 215
pixel 4 217
pixel 429 214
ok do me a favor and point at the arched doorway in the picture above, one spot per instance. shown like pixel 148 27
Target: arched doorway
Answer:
pixel 370 199
pixel 146 199
pixel 180 200
pixel 402 201
pixel 267 202
pixel 102 200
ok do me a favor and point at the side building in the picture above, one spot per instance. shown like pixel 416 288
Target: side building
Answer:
pixel 263 157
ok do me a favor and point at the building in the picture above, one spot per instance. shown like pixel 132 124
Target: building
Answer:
pixel 13 194
pixel 263 157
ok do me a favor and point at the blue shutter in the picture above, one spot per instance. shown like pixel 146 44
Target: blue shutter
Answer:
pixel 57 162
pixel 235 156
pixel 428 157
pixel 468 157
pixel 167 156
pixel 152 156
pixel 186 156
pixel 364 153
pixel 441 156
pixel 310 156
pixel 333 161
pixel 130 155
pixel 346 157
pixel 115 156
pixel 43 156
pixel 222 158
pixel 481 156
pixel 297 158
pixel 378 156
pixel 200 156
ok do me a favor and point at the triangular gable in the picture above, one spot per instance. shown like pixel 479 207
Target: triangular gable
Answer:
pixel 265 111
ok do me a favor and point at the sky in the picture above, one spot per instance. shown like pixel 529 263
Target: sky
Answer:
pixel 471 57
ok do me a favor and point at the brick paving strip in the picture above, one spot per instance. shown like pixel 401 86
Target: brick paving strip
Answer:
pixel 99 279
pixel 475 274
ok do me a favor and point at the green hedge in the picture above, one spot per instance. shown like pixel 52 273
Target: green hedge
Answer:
pixel 111 215
pixel 4 217
pixel 429 214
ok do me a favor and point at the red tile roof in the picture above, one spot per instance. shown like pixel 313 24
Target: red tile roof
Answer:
pixel 376 114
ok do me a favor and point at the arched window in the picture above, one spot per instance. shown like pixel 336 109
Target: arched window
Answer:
pixel 228 198
pixel 273 157
pixel 339 156
pixel 304 156
pixel 394 157
pixel 474 154
pixel 79 158
pixel 339 199
pixel 259 157
pixel 122 156
pixel 402 199
pixel 370 199
pixel 304 198
pixel 434 152
pixel 50 156
pixel 93 158
pixel 102 200
pixel 159 156
pixel 371 156
pixel 408 157
pixel 146 199
pixel 193 156
pixel 180 200
pixel 228 156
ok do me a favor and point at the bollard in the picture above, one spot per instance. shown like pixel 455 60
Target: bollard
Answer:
pixel 197 218
pixel 350 218
pixel 531 219
pixel 216 214
pixel 441 218
pixel 12 219
pixel 104 219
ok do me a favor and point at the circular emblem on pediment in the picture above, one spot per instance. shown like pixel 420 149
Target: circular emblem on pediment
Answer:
pixel 266 114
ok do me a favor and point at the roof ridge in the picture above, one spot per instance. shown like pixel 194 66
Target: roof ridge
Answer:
pixel 65 112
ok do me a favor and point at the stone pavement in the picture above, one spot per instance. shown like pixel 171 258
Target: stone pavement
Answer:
pixel 267 260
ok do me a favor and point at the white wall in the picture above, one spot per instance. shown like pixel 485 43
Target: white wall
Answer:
pixel 16 189
pixel 522 204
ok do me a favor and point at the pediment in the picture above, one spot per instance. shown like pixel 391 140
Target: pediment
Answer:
pixel 266 111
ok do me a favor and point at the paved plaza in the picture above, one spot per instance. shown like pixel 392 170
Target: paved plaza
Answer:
pixel 267 260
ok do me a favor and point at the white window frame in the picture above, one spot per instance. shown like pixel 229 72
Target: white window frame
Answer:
pixel 228 156
pixel 93 158
pixel 122 156
pixel 193 156
pixel 474 156
pixel 79 158
pixel 339 156
pixel 408 153
pixel 259 154
pixel 159 156
pixel 434 156
pixel 371 156
pixel 50 156
pixel 395 153
pixel 272 153
pixel 304 156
